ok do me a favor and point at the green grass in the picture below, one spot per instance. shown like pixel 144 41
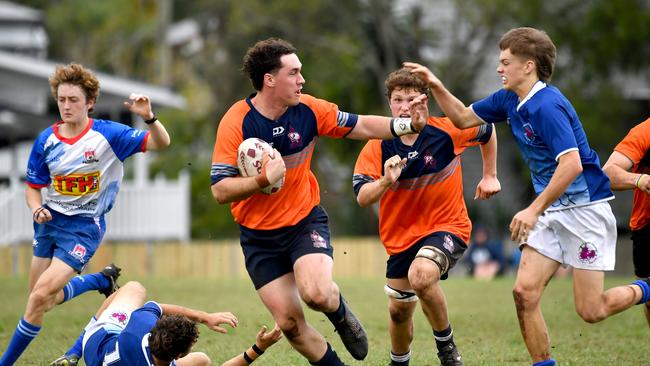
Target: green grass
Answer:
pixel 482 314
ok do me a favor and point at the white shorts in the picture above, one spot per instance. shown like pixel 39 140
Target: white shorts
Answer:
pixel 583 237
pixel 112 320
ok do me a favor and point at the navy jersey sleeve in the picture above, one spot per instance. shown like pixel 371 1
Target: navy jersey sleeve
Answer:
pixel 493 108
pixel 124 140
pixel 38 173
pixel 134 348
pixel 553 126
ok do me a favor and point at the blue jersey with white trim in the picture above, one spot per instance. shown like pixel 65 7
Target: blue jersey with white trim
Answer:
pixel 545 126
pixel 83 174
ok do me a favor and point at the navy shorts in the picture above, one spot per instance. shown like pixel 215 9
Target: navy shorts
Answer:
pixel 398 264
pixel 270 254
pixel 641 251
pixel 73 239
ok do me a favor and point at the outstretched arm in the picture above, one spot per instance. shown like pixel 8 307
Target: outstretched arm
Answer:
pixel 377 127
pixel 618 168
pixel 462 117
pixel 489 184
pixel 141 104
pixel 211 320
pixel 263 341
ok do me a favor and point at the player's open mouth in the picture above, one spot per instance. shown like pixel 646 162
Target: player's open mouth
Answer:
pixel 404 115
pixel 503 79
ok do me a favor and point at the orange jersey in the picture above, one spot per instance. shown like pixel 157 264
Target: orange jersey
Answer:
pixel 636 146
pixel 294 135
pixel 428 195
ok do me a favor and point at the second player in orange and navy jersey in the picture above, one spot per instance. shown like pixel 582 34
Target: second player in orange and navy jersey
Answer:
pixel 294 135
pixel 428 195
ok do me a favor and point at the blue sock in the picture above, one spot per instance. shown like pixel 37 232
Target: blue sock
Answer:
pixel 23 335
pixel 645 290
pixel 76 349
pixel 549 362
pixel 329 359
pixel 80 284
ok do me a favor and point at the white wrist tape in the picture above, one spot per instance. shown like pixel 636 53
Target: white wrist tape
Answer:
pixel 401 126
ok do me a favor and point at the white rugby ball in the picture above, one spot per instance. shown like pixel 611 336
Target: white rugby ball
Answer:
pixel 250 155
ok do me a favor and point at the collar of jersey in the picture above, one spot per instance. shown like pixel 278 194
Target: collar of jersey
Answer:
pixel 72 140
pixel 539 85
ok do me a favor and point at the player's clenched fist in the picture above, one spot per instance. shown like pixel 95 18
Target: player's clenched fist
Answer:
pixel 274 166
pixel 392 170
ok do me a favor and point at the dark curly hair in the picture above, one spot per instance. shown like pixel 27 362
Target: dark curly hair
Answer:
pixel 172 337
pixel 78 75
pixel 531 43
pixel 264 57
pixel 404 79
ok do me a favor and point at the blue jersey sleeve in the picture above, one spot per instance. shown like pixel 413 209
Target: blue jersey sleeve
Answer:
pixel 553 126
pixel 494 108
pixel 133 348
pixel 124 140
pixel 38 173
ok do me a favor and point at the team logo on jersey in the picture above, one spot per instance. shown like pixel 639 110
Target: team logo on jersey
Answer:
pixel 120 317
pixel 429 160
pixel 76 184
pixel 318 240
pixel 35 243
pixel 587 253
pixel 412 155
pixel 79 252
pixel 278 131
pixel 448 243
pixel 529 133
pixel 294 137
pixel 89 157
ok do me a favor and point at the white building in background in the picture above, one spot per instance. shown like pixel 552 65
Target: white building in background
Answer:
pixel 145 210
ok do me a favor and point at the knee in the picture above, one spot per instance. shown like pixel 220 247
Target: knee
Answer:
pixel 136 287
pixel 525 297
pixel 399 312
pixel 289 327
pixel 42 298
pixel 421 279
pixel 317 298
pixel 590 314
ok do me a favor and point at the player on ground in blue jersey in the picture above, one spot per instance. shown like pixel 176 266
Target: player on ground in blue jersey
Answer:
pixel 570 221
pixel 79 161
pixel 126 331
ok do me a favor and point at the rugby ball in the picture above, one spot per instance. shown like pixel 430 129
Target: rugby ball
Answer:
pixel 250 159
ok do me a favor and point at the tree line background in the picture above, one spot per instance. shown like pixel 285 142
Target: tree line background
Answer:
pixel 347 49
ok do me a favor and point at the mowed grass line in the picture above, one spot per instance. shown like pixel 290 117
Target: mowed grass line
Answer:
pixel 482 313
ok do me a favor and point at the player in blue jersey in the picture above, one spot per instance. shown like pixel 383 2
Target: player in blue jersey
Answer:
pixel 126 331
pixel 570 222
pixel 79 161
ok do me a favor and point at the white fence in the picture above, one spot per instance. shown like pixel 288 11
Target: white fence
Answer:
pixel 157 210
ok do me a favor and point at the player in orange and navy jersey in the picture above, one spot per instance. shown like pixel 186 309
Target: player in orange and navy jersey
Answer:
pixel 408 176
pixel 79 161
pixel 285 236
pixel 629 168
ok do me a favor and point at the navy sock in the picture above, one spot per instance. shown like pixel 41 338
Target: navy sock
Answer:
pixel 549 362
pixel 337 316
pixel 645 290
pixel 80 284
pixel 443 337
pixel 23 335
pixel 400 360
pixel 329 359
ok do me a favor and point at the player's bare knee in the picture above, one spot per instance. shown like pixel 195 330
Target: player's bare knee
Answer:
pixel 135 288
pixel 42 299
pixel 525 298
pixel 590 314
pixel 317 299
pixel 422 278
pixel 399 312
pixel 289 327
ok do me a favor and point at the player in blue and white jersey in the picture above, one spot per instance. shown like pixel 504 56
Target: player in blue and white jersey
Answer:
pixel 570 221
pixel 79 162
pixel 126 331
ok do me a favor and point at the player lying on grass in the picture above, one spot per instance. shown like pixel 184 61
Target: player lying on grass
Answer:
pixel 127 331
pixel 409 175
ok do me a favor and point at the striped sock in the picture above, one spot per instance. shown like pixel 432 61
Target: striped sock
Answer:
pixel 400 360
pixel 645 290
pixel 443 337
pixel 23 335
pixel 80 284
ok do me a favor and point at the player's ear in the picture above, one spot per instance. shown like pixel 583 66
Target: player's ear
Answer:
pixel 269 80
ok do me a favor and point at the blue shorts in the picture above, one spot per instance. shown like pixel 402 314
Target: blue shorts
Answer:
pixel 73 239
pixel 398 264
pixel 270 254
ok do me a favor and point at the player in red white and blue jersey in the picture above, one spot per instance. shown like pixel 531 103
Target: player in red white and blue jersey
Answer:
pixel 570 221
pixel 285 236
pixel 79 161
pixel 126 331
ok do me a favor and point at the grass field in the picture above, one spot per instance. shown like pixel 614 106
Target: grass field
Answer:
pixel 482 314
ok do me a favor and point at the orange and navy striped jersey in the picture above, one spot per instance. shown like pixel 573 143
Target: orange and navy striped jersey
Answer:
pixel 428 195
pixel 294 135
pixel 636 146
